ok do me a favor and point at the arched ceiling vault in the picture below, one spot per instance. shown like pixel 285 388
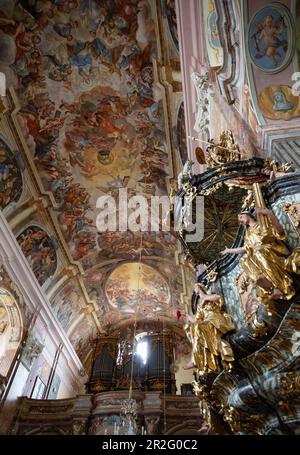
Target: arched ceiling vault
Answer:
pixel 93 117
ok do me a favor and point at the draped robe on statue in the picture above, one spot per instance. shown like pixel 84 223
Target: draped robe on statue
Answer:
pixel 205 335
pixel 269 257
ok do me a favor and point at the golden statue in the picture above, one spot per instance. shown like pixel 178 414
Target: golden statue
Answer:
pixel 268 263
pixel 205 331
pixel 224 151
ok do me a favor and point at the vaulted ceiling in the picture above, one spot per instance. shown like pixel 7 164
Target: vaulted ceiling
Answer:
pixel 93 116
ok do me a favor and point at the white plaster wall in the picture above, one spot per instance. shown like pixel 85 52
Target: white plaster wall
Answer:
pixel 65 391
pixel 45 327
pixel 16 390
pixel 183 376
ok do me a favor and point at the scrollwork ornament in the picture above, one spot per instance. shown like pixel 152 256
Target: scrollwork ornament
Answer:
pixel 79 427
pixel 32 349
pixel 211 190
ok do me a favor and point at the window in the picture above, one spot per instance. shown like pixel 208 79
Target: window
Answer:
pixel 142 350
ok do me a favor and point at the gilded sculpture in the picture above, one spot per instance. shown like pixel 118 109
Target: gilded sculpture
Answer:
pixel 268 262
pixel 224 151
pixel 293 211
pixel 209 351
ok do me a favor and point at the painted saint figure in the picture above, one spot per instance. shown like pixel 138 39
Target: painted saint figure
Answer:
pixel 281 103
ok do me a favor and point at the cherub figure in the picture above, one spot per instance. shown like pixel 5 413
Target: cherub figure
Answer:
pixel 268 33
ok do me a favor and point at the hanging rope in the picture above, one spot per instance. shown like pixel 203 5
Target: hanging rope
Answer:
pixel 136 313
pixel 164 368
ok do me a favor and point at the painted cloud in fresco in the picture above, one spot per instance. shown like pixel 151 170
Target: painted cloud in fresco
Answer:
pixel 93 120
pixel 83 72
pixel 133 285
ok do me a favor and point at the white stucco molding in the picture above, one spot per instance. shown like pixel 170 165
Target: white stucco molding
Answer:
pixel 203 87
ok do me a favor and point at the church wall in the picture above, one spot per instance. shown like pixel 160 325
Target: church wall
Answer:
pixel 272 83
pixel 63 392
pixel 241 93
pixel 9 409
pixel 183 376
pixel 43 350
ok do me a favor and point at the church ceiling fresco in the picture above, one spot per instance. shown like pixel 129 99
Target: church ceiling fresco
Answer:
pixel 83 72
pixel 82 336
pixel 125 245
pixel 10 176
pixel 40 252
pixel 168 8
pixel 135 284
pixel 68 304
pixel 115 289
pixel 93 121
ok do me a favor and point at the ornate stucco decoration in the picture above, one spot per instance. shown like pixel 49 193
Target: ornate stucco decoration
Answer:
pixel 183 216
pixel 229 30
pixel 186 174
pixel 151 424
pixel 202 86
pixel 31 350
pixel 79 426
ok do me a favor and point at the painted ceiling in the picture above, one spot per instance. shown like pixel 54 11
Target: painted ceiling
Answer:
pixel 92 116
pixel 135 284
